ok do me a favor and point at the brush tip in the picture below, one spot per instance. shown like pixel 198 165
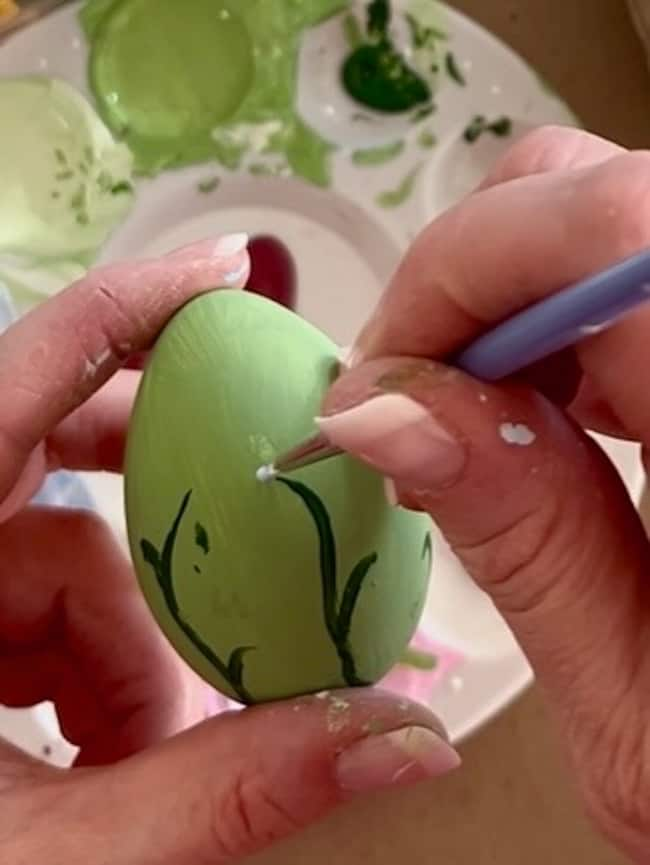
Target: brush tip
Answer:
pixel 266 473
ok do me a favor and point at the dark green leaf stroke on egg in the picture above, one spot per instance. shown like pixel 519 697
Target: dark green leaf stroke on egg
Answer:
pixel 427 549
pixel 338 619
pixel 162 564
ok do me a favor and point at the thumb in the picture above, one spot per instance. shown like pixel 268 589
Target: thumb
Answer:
pixel 531 506
pixel 234 784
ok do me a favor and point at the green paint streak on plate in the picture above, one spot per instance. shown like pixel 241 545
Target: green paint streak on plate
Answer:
pixel 397 197
pixel 378 155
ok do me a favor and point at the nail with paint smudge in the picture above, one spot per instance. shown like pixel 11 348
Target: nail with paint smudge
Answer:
pixel 231 245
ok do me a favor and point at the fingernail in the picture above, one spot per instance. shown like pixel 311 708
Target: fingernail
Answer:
pixel 398 437
pixel 231 244
pixel 395 759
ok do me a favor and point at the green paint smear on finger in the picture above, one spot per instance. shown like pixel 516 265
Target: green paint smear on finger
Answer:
pixel 184 83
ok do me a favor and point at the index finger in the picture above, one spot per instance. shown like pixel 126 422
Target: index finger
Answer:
pixel 505 247
pixel 57 355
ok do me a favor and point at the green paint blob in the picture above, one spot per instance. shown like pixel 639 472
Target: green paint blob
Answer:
pixel 312 582
pixel 205 80
pixel 376 75
pixel 378 155
pixel 427 139
pixel 397 197
pixel 479 125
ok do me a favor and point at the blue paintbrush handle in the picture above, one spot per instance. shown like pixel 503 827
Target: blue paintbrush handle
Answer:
pixel 559 321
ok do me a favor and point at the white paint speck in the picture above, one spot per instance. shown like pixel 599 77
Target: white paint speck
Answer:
pixel 592 329
pixel 322 695
pixel 517 434
pixel 235 276
pixel 337 714
pixel 496 90
pixel 457 684
pixel 482 397
pixel 265 474
pixel 43 63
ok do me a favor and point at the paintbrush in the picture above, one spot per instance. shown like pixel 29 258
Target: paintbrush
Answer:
pixel 562 320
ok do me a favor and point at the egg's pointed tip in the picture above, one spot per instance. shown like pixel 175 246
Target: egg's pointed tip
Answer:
pixel 266 473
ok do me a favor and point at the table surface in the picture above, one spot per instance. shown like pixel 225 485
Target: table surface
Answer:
pixel 513 785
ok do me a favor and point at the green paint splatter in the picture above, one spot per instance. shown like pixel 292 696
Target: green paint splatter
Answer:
pixel 161 562
pixel 393 198
pixel 426 139
pixel 479 125
pixel 378 155
pixel 338 615
pixel 454 70
pixel 423 113
pixel 209 185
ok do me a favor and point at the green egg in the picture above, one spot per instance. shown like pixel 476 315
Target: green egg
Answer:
pixel 268 590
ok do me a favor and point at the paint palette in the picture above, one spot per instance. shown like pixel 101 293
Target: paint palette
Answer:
pixel 389 177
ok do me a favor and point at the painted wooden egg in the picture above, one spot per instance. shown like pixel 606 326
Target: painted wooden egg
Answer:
pixel 268 590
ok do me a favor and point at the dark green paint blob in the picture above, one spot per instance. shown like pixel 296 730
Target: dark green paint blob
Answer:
pixel 162 563
pixel 501 127
pixel 454 70
pixel 338 616
pixel 201 538
pixel 376 75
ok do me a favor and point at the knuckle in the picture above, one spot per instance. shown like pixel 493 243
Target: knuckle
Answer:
pixel 503 561
pixel 247 817
pixel 87 531
pixel 543 149
pixel 616 783
pixel 619 195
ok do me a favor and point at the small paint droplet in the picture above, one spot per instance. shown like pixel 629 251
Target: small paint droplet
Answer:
pixel 46 750
pixel 482 397
pixel 265 474
pixel 322 695
pixel 517 434
pixel 457 684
